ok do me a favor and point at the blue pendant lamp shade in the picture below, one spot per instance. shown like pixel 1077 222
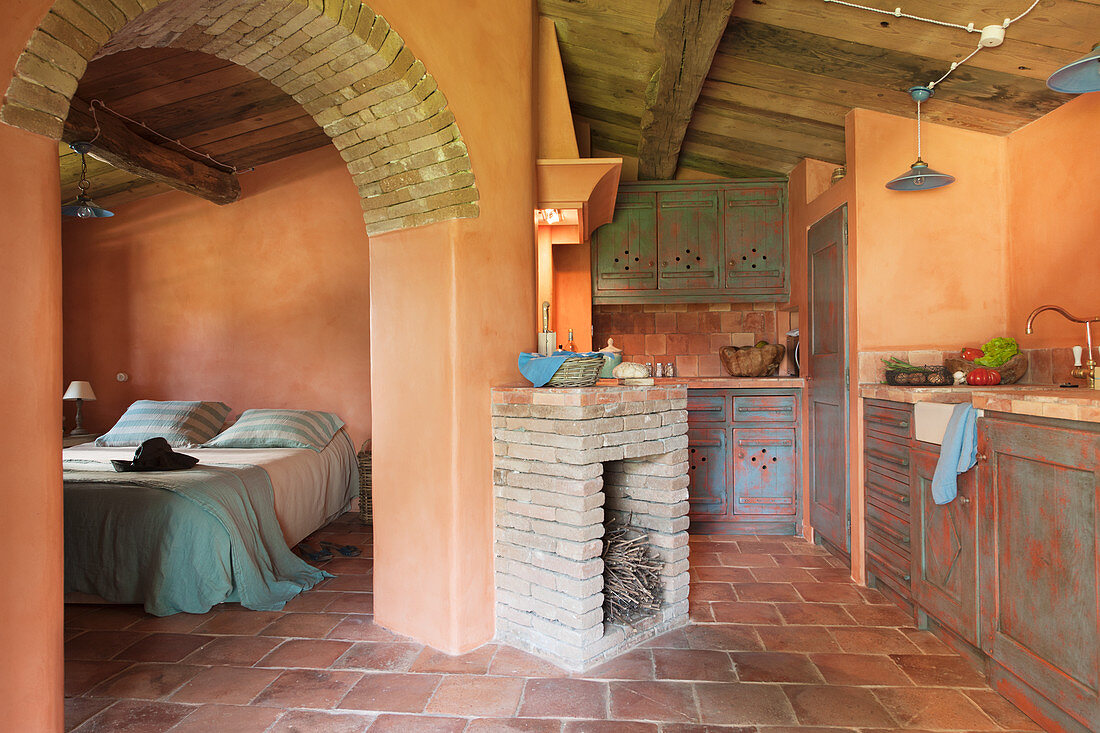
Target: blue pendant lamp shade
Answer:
pixel 84 207
pixel 919 176
pixel 1083 75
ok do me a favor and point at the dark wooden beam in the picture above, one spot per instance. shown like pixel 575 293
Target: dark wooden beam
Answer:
pixel 688 32
pixel 115 143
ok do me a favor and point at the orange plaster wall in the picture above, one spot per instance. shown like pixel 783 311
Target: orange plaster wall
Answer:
pixel 261 303
pixel 31 692
pixel 557 138
pixel 573 286
pixel 1054 223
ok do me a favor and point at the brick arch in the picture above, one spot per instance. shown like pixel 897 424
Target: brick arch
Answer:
pixel 337 58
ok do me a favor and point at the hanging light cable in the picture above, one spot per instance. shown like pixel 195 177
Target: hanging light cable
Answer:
pixel 84 207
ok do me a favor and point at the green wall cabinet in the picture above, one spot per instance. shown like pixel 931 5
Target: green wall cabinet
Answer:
pixel 694 242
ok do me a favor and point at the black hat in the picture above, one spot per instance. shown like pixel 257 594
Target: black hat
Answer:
pixel 156 455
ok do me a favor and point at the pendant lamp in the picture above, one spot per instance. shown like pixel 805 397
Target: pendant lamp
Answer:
pixel 84 207
pixel 919 176
pixel 1083 75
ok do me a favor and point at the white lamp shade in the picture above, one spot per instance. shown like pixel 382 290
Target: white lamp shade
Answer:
pixel 79 391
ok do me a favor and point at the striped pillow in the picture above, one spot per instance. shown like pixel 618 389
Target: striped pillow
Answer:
pixel 279 429
pixel 182 424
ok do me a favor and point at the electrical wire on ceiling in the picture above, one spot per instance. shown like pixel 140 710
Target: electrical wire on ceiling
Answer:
pixel 991 35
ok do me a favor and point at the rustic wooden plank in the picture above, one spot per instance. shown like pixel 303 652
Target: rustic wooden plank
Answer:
pixel 729 148
pixel 131 72
pixel 688 32
pixel 114 142
pixel 781 130
pixel 248 124
pixel 279 147
pixel 214 110
pixel 691 159
pixel 180 90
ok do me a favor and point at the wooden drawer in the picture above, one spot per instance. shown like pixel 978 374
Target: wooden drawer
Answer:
pixel 887 490
pixel 889 564
pixel 707 406
pixel 765 408
pixel 886 455
pixel 887 526
pixel 891 418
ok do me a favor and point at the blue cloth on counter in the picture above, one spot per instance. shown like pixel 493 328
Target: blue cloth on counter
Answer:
pixel 539 369
pixel 958 454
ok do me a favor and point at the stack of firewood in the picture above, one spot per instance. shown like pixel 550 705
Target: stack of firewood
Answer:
pixel 632 582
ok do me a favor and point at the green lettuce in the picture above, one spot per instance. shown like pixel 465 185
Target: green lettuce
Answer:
pixel 997 352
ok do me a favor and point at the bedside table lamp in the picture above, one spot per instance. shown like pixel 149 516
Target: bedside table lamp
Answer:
pixel 79 391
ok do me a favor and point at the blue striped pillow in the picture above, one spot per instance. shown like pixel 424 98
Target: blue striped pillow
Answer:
pixel 279 429
pixel 182 424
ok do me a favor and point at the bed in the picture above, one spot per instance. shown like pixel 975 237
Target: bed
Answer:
pixel 219 532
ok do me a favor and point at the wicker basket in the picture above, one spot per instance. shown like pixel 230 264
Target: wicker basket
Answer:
pixel 366 510
pixel 927 377
pixel 577 371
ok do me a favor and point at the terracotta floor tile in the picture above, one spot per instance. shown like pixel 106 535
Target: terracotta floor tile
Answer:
pixel 315 721
pixel 704 558
pixel 671 702
pixel 926 641
pixel 512 662
pixel 736 559
pixel 109 618
pixel 860 639
pixel 418 724
pixel 691 664
pixel 381 656
pixel 564 698
pixel 360 628
pixel 303 625
pixel 83 676
pixel 391 692
pixel 736 612
pixel 634 665
pixel 146 681
pixel 722 574
pixel 827 574
pixel 782 575
pixel 859 669
pixel 79 709
pixel 699 612
pixel 1001 710
pixel 767 592
pixel 711 592
pixel 867 614
pixel 743 704
pixel 351 582
pixel 797 638
pixel 607 726
pixel 225 685
pixel 137 716
pixel 476 695
pixel 828 592
pixel 836 705
pixel 239 651
pixel 308 688
pixel 235 718
pixel 348 602
pixel 724 638
pixel 871 595
pixel 313 602
pixel 513 725
pixel 774 667
pixel 177 623
pixel 934 708
pixel 350 565
pixel 310 653
pixel 939 670
pixel 100 644
pixel 242 623
pixel 816 562
pixel 704 728
pixel 163 647
pixel 763 547
pixel 676 639
pixel 475 662
pixel 815 614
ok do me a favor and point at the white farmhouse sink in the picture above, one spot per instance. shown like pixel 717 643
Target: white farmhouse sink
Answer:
pixel 930 421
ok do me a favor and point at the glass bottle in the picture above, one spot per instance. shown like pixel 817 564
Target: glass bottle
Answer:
pixel 570 346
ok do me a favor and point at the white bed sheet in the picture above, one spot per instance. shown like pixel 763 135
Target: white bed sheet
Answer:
pixel 311 488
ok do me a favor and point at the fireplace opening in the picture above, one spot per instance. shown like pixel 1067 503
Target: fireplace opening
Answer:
pixel 631 574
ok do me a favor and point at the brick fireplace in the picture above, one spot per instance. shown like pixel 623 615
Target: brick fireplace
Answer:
pixel 566 461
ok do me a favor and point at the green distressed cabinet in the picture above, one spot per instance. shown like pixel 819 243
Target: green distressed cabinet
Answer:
pixel 694 242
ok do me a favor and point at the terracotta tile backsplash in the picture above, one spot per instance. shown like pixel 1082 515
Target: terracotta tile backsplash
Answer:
pixel 689 335
pixel 1045 366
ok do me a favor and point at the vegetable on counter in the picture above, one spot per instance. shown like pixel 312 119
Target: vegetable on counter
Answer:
pixel 997 352
pixel 983 377
pixel 900 365
pixel 970 353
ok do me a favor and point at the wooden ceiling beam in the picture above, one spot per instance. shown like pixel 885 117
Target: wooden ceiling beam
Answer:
pixel 688 33
pixel 113 142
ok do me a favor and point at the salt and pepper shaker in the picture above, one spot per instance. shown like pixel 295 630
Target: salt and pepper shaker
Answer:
pixel 649 368
pixel 658 372
pixel 668 370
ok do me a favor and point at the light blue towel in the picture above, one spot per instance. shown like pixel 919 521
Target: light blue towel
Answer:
pixel 958 454
pixel 539 369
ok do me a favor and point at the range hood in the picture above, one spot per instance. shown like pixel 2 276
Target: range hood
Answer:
pixel 587 186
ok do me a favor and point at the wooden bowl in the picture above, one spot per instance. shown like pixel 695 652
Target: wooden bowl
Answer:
pixel 1012 371
pixel 752 361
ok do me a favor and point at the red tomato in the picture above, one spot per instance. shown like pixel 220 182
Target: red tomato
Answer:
pixel 970 354
pixel 983 377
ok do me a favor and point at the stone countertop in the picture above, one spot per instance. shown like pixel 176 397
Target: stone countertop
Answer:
pixel 723 382
pixel 1031 399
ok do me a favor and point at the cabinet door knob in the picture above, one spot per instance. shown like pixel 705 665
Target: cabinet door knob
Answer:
pixel 982 457
pixel 964 500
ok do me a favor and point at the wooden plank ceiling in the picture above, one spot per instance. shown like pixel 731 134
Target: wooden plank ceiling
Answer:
pixel 786 72
pixel 210 104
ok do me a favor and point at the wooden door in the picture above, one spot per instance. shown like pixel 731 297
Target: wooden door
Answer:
pixel 707 473
pixel 765 471
pixel 687 240
pixel 754 231
pixel 624 257
pixel 944 544
pixel 1040 537
pixel 825 350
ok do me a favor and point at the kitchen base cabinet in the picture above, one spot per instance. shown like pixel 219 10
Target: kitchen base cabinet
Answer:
pixel 1039 533
pixel 744 457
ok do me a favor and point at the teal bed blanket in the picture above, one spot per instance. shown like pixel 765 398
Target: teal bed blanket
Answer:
pixel 180 540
